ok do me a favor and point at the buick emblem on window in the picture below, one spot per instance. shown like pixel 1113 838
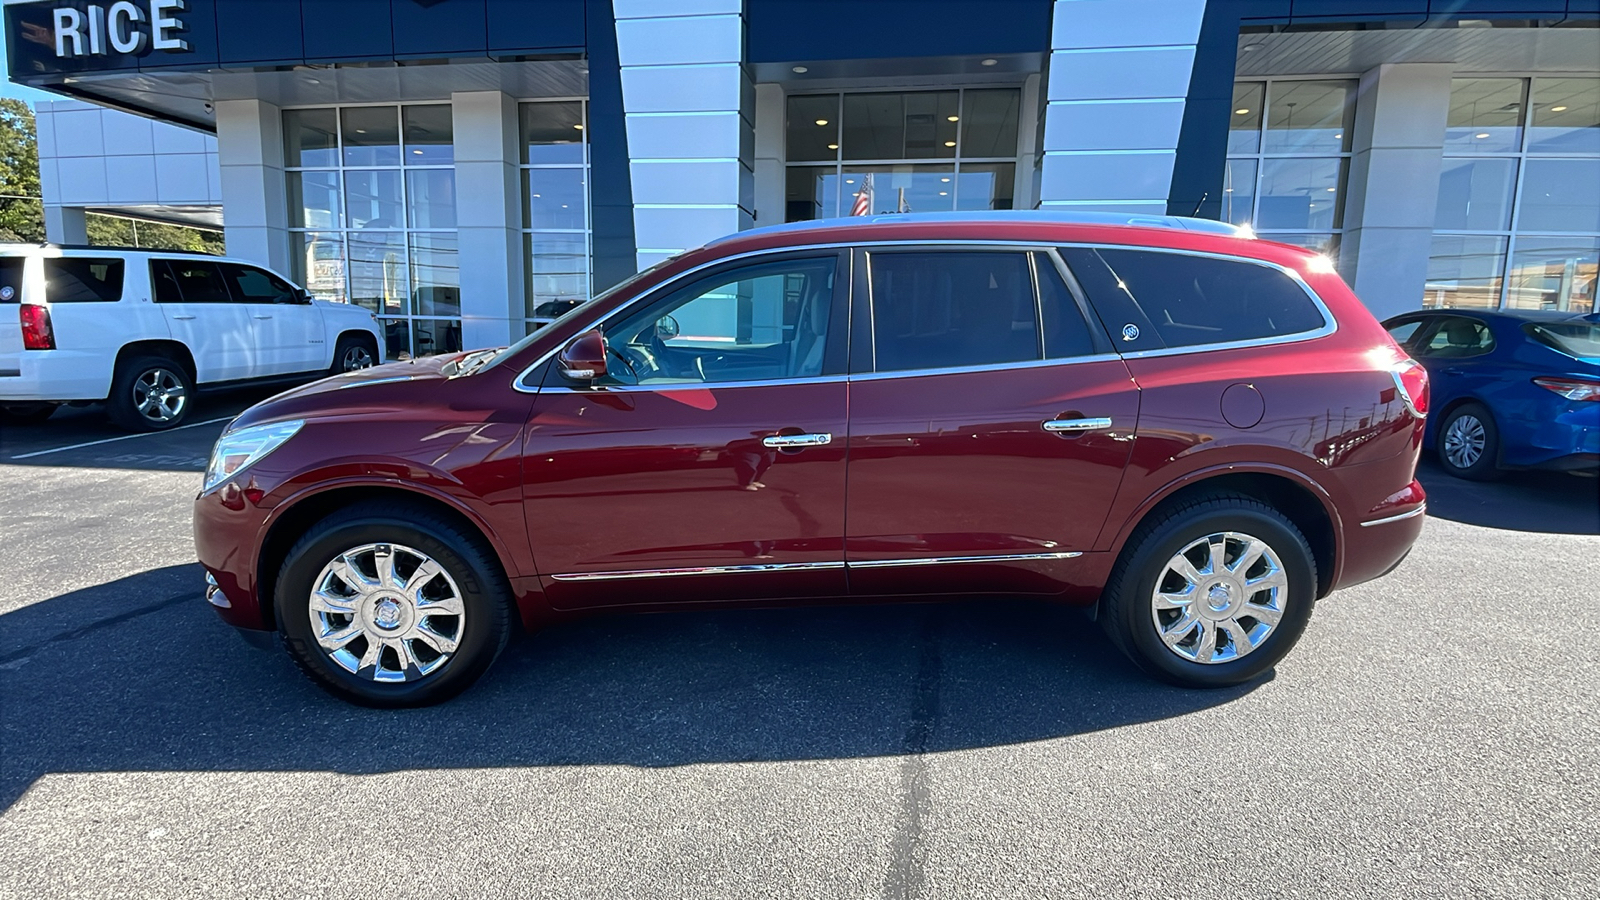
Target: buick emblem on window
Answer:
pixel 1130 332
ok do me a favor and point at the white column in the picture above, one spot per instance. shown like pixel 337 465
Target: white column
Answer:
pixel 65 225
pixel 1118 78
pixel 488 218
pixel 254 200
pixel 1393 192
pixel 687 102
pixel 771 190
pixel 1026 193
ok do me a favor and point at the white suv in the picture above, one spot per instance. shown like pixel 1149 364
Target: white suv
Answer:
pixel 141 329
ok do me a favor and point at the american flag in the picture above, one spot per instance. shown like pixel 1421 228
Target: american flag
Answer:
pixel 863 202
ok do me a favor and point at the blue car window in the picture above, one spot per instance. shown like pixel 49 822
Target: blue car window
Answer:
pixel 1459 338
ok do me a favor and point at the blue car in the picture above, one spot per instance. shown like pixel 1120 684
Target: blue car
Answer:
pixel 1511 389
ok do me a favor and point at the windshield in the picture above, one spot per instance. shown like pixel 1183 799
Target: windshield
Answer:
pixel 516 348
pixel 1579 339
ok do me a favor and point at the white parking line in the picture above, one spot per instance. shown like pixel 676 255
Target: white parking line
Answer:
pixel 125 437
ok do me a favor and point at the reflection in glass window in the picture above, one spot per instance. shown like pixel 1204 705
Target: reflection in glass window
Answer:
pixel 378 272
pixel 1566 116
pixel 883 134
pixel 1464 271
pixel 1309 116
pixel 1239 191
pixel 1475 194
pixel 314 200
pixel 311 137
pixel 552 133
pixel 1485 115
pixel 1560 195
pixel 1556 274
pixel 318 259
pixel 430 135
pixel 372 198
pixel 435 274
pixel 431 197
pixel 371 135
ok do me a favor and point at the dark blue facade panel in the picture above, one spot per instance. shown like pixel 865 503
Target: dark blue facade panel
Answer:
pixel 337 30
pixel 1355 10
pixel 200 30
pixel 435 28
pixel 788 30
pixel 532 26
pixel 259 31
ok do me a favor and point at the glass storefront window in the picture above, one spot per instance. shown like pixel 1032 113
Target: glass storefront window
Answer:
pixel 1555 274
pixel 1485 115
pixel 373 218
pixel 1475 194
pixel 1289 155
pixel 1300 194
pixel 1464 271
pixel 1244 127
pixel 555 209
pixel 1309 116
pixel 1566 116
pixel 881 141
pixel 1560 195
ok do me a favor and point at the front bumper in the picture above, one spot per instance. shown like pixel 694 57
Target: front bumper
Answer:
pixel 227 530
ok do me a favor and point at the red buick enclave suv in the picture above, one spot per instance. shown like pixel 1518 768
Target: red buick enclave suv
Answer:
pixel 1190 433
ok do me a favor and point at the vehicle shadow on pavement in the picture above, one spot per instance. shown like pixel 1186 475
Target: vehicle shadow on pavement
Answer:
pixel 138 675
pixel 1547 502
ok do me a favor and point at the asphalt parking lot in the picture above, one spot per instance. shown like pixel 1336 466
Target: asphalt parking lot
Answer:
pixel 1436 733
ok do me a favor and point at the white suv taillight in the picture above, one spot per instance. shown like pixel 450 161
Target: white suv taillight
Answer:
pixel 36 331
pixel 1412 380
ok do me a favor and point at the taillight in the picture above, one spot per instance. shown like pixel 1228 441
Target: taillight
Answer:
pixel 1571 388
pixel 36 331
pixel 1412 380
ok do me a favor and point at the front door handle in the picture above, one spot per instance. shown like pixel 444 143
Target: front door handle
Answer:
pixel 796 441
pixel 184 318
pixel 1076 426
pixel 263 317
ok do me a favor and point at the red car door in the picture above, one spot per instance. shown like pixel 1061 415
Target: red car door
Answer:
pixel 709 462
pixel 989 424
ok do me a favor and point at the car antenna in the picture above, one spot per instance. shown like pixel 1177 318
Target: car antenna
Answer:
pixel 1198 204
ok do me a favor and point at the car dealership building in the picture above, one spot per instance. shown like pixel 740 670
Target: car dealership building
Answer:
pixel 468 168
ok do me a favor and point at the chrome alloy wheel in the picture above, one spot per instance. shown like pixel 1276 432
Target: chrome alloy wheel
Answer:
pixel 356 356
pixel 1464 441
pixel 159 395
pixel 387 613
pixel 1219 597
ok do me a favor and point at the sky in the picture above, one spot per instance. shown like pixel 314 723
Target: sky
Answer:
pixel 8 89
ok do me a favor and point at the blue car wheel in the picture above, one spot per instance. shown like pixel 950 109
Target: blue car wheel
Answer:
pixel 1469 444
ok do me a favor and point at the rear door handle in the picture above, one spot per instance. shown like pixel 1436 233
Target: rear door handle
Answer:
pixel 1453 371
pixel 796 441
pixel 184 318
pixel 263 317
pixel 1075 426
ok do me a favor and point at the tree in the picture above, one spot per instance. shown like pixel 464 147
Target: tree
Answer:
pixel 115 231
pixel 21 209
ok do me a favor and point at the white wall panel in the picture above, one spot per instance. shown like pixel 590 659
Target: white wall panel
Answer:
pixel 1125 23
pixel 126 135
pixel 1144 175
pixel 83 180
pixel 1120 72
pixel 683 87
pixel 131 179
pixel 678 40
pixel 1114 125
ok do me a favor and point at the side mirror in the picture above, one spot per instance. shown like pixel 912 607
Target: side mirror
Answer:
pixel 584 357
pixel 302 296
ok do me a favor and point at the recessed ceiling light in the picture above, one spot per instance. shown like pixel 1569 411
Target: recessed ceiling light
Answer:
pixel 990 62
pixel 1331 190
pixel 1338 136
pixel 361 131
pixel 312 81
pixel 833 146
pixel 799 70
pixel 849 181
pixel 1251 48
pixel 1241 112
pixel 958 118
pixel 945 180
pixel 944 193
pixel 949 143
pixel 822 121
pixel 1558 109
pixel 1481 136
pixel 416 152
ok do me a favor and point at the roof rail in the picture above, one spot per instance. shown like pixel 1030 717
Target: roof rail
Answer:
pixel 1020 216
pixel 114 247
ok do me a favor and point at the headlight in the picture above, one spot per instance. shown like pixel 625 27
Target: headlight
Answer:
pixel 238 450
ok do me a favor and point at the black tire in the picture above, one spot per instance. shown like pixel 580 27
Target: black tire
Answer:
pixel 353 352
pixel 1127 603
pixel 485 595
pixel 27 413
pixel 126 404
pixel 1483 464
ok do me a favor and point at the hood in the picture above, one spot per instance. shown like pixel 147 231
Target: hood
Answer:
pixel 380 389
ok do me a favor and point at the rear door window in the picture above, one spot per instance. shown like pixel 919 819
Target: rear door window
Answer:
pixel 953 308
pixel 83 279
pixel 1150 299
pixel 251 285
pixel 1405 333
pixel 188 281
pixel 1458 337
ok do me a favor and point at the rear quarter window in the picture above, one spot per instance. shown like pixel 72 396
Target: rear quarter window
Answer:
pixel 1189 300
pixel 1578 339
pixel 83 279
pixel 11 278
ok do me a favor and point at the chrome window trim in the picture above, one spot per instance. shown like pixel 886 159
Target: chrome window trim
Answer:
pixel 1331 323
pixel 1405 515
pixel 951 560
pixel 782 567
pixel 693 570
pixel 695 385
pixel 989 367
